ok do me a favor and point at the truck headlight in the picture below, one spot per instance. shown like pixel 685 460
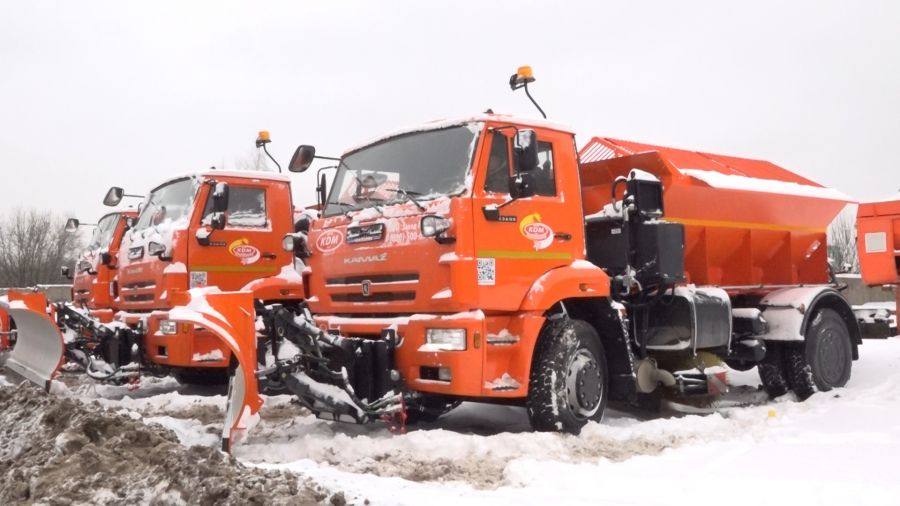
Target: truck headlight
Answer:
pixel 288 243
pixel 446 339
pixel 168 327
pixel 155 248
pixel 432 226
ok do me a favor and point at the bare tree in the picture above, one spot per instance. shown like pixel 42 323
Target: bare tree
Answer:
pixel 253 160
pixel 33 247
pixel 842 241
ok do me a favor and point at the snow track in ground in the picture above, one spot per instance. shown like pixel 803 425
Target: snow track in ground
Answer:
pixel 836 448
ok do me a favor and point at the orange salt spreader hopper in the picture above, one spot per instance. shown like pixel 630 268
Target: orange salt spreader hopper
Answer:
pixel 748 223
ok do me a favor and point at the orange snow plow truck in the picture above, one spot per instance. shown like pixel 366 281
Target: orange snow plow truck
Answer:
pixel 219 229
pixel 486 259
pixel 878 244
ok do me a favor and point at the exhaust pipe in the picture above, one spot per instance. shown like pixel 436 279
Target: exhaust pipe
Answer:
pixel 40 350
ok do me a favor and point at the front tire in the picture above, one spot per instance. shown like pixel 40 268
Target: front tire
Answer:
pixel 773 371
pixel 569 379
pixel 824 359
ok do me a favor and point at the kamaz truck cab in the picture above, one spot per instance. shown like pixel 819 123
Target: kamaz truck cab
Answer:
pixel 95 270
pixel 218 229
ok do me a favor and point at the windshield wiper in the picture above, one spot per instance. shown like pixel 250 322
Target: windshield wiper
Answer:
pixel 410 196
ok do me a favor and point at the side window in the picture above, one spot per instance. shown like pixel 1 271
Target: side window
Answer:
pixel 497 179
pixel 545 181
pixel 246 208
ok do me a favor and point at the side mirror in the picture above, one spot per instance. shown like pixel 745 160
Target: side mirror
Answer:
pixel 113 196
pixel 66 272
pixel 71 226
pixel 526 149
pixel 303 158
pixel 217 221
pixel 521 185
pixel 220 197
pixel 322 189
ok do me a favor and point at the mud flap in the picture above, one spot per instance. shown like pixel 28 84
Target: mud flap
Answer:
pixel 230 317
pixel 39 351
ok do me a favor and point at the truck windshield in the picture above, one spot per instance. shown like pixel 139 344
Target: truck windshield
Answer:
pixel 104 232
pixel 420 166
pixel 171 203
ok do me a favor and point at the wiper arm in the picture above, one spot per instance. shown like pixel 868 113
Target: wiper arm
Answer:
pixel 410 196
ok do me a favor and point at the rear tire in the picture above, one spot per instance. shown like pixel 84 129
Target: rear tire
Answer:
pixel 569 379
pixel 824 359
pixel 772 370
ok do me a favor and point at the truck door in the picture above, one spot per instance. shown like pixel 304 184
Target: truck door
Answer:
pixel 532 235
pixel 258 216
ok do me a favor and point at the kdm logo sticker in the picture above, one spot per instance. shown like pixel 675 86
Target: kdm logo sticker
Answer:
pixel 330 240
pixel 245 251
pixel 536 231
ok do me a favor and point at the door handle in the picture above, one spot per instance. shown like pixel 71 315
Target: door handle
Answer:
pixel 269 256
pixel 562 236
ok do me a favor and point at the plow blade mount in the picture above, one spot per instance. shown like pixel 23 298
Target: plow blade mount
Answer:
pixel 229 316
pixel 39 350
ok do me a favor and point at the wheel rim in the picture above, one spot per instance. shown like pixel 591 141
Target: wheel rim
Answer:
pixel 832 356
pixel 584 384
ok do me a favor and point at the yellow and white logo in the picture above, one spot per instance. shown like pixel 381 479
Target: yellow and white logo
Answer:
pixel 536 231
pixel 246 252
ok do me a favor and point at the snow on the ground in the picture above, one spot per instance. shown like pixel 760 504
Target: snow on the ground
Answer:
pixel 836 448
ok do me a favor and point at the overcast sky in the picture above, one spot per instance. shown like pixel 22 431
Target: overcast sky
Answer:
pixel 96 94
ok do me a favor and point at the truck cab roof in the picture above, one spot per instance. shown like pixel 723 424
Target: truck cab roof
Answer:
pixel 439 124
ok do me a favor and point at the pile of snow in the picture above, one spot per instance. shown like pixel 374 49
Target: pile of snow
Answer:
pixel 60 450
pixel 833 448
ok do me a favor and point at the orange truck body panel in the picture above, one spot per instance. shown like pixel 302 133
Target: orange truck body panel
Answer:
pixel 235 256
pixel 878 235
pixel 878 243
pixel 4 330
pixel 739 239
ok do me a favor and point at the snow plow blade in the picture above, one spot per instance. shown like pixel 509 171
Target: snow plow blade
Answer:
pixel 230 316
pixel 39 350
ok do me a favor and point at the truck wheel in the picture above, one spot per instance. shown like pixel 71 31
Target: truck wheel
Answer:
pixel 429 408
pixel 824 359
pixel 569 377
pixel 772 370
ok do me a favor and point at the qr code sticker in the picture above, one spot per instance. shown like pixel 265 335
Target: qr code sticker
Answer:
pixel 487 271
pixel 198 279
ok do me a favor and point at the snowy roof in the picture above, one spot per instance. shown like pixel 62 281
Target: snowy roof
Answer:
pixel 451 122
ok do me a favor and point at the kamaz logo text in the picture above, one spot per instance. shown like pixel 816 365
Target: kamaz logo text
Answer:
pixel 362 259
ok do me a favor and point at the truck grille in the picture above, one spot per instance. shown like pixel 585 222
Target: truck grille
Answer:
pixel 139 298
pixel 374 279
pixel 372 288
pixel 374 297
